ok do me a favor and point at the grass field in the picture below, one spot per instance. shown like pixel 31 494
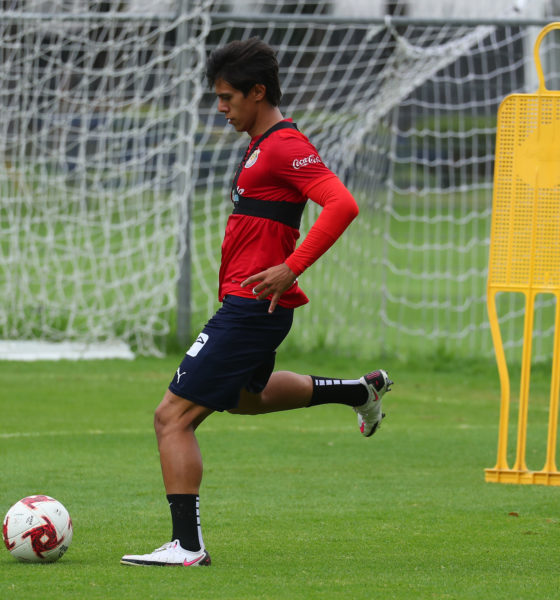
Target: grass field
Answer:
pixel 294 505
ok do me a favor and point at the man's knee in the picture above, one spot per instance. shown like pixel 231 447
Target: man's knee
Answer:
pixel 174 412
pixel 163 414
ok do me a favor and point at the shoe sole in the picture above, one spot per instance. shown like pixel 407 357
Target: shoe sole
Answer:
pixel 376 426
pixel 205 561
pixel 380 394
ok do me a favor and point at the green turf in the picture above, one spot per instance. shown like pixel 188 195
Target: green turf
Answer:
pixel 294 505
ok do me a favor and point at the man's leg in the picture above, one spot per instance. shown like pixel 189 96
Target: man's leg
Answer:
pixel 175 422
pixel 286 390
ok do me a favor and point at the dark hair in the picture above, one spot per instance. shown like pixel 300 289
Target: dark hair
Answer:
pixel 243 64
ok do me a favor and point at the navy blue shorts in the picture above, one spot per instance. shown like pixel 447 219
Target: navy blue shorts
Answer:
pixel 236 350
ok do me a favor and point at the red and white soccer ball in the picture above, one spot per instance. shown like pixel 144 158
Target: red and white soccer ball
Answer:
pixel 37 529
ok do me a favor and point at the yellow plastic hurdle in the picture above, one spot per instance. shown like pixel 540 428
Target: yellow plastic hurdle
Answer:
pixel 525 253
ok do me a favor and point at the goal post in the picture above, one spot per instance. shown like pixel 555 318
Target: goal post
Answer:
pixel 116 167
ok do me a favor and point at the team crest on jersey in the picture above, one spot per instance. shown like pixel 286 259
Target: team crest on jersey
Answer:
pixel 252 159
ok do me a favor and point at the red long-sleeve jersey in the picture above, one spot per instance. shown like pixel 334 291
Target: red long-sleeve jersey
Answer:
pixel 285 168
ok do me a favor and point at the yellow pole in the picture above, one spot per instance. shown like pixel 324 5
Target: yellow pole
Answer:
pixel 501 463
pixel 550 465
pixel 520 464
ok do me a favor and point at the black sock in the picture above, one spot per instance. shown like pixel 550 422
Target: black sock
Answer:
pixel 351 392
pixel 186 520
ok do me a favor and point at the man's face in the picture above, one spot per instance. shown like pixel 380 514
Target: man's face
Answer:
pixel 239 110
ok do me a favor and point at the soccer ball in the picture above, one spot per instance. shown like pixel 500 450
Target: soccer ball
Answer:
pixel 37 529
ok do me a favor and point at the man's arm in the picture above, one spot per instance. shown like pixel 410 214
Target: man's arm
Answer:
pixel 339 210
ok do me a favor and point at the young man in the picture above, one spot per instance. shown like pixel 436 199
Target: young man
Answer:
pixel 230 365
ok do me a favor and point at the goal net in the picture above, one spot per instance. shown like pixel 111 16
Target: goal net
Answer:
pixel 116 169
pixel 98 114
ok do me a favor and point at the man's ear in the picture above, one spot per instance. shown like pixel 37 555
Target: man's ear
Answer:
pixel 259 91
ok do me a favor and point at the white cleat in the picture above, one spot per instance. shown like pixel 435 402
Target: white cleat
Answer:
pixel 169 555
pixel 369 414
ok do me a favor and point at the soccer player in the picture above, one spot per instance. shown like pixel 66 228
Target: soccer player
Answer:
pixel 230 365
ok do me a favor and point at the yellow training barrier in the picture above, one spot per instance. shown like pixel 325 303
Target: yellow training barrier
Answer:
pixel 525 253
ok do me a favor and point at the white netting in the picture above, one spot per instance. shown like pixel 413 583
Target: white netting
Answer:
pixel 437 216
pixel 97 118
pixel 104 116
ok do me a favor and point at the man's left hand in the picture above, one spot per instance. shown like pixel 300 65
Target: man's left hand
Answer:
pixel 272 282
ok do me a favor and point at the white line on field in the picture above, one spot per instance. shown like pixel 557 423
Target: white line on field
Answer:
pixel 205 429
pixel 23 434
pixel 35 434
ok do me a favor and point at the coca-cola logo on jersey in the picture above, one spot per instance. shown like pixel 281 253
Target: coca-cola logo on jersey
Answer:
pixel 312 159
